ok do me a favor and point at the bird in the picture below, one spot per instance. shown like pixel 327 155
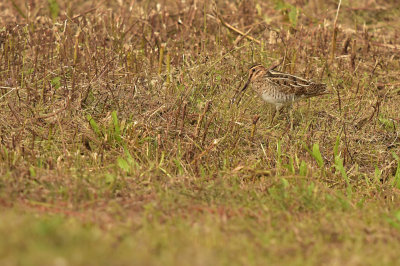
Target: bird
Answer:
pixel 279 88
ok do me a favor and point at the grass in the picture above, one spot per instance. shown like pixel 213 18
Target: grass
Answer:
pixel 118 143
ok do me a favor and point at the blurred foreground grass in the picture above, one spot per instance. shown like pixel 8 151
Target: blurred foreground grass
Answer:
pixel 294 224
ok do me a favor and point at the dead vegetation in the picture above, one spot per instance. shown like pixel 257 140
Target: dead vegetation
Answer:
pixel 114 101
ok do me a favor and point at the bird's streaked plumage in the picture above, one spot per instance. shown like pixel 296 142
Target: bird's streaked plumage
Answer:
pixel 278 88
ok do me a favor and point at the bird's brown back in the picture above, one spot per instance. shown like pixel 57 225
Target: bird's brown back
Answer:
pixel 293 85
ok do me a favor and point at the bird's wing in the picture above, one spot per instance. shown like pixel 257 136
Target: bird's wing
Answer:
pixel 290 84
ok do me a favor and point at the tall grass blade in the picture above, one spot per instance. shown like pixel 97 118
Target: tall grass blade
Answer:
pixel 317 155
pixel 117 129
pixel 94 125
pixel 303 168
pixel 123 164
pixel 54 9
pixel 340 167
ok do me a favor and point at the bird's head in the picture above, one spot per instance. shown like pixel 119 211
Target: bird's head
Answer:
pixel 255 72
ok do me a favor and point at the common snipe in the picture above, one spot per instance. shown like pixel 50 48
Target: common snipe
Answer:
pixel 278 88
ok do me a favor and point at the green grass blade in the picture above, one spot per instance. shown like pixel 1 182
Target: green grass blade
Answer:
pixel 340 167
pixel 117 129
pixel 123 164
pixel 94 125
pixel 317 155
pixel 54 8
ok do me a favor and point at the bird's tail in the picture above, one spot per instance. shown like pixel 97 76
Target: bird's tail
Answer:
pixel 317 89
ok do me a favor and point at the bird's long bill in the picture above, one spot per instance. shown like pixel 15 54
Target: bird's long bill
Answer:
pixel 237 97
pixel 245 86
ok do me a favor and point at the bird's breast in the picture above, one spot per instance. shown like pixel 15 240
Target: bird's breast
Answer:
pixel 277 97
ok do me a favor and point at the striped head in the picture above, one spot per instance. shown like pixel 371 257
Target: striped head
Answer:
pixel 255 72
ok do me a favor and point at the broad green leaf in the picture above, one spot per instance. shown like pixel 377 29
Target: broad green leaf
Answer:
pixel 336 147
pixel 94 125
pixel 117 130
pixel 123 164
pixel 303 168
pixel 339 166
pixel 293 13
pixel 317 155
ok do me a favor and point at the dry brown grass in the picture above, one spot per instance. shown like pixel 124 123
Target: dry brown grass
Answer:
pixel 108 106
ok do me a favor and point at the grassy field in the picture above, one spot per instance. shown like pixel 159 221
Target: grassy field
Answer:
pixel 119 145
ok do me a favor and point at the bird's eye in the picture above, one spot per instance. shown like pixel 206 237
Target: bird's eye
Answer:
pixel 253 70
